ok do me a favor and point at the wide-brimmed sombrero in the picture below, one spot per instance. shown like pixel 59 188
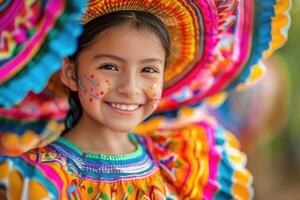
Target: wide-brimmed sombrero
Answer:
pixel 216 44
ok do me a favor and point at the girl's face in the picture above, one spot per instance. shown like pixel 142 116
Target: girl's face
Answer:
pixel 120 77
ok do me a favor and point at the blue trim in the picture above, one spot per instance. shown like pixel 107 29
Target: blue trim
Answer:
pixel 225 170
pixel 262 36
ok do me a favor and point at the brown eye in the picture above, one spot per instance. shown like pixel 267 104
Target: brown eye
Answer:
pixel 149 70
pixel 109 67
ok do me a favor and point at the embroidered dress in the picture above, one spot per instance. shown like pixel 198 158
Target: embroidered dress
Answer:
pixel 193 162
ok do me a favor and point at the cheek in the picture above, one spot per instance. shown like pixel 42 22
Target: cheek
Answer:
pixel 93 88
pixel 154 92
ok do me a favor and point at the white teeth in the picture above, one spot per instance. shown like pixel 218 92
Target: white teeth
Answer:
pixel 124 107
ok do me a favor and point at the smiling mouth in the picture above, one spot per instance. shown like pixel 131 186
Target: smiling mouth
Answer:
pixel 124 107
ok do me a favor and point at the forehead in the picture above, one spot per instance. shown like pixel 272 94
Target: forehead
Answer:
pixel 126 41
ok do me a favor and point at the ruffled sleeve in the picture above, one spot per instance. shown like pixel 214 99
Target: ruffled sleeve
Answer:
pixel 201 161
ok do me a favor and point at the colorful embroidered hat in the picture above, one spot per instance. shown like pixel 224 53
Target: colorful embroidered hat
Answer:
pixel 215 46
pixel 215 43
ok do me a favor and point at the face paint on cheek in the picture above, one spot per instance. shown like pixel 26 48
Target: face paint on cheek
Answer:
pixel 154 94
pixel 93 88
pixel 109 86
pixel 89 87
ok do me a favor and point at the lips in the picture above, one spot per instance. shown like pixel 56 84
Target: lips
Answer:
pixel 124 107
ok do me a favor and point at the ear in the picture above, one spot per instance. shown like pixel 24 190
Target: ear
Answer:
pixel 67 75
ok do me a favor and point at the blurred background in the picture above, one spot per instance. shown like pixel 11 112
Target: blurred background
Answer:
pixel 273 141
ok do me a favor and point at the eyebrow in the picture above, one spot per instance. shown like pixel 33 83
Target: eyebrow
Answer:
pixel 114 57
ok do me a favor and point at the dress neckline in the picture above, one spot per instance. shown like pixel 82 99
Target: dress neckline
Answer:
pixel 136 153
pixel 100 167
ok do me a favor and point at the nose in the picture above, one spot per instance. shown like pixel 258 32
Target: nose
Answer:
pixel 128 85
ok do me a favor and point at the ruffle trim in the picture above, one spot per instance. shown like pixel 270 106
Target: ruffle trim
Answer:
pixel 280 25
pixel 268 35
pixel 234 180
pixel 60 42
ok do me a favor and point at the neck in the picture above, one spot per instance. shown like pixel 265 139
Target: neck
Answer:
pixel 91 136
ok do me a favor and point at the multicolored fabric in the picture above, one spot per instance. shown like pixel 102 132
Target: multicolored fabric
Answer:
pixel 216 46
pixel 34 37
pixel 36 121
pixel 213 48
pixel 192 162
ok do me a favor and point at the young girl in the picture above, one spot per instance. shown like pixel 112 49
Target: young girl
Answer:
pixel 128 55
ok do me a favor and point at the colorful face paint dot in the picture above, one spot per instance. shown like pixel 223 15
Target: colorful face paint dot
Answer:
pixel 101 93
pixel 91 99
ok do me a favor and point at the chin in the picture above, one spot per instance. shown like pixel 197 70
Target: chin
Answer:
pixel 124 128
